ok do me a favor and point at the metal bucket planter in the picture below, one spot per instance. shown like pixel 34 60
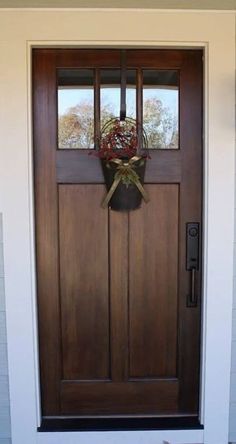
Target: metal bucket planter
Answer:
pixel 122 196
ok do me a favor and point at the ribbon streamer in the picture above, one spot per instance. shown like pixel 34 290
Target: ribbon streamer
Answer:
pixel 125 170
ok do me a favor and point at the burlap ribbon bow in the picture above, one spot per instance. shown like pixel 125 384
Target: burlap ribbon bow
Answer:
pixel 126 173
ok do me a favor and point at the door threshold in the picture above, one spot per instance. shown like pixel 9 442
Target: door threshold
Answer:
pixel 118 424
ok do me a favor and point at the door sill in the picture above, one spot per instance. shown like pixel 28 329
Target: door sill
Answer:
pixel 112 424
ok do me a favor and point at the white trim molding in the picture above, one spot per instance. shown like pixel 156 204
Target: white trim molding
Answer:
pixel 19 32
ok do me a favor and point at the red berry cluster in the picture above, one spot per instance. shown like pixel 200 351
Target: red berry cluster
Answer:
pixel 120 141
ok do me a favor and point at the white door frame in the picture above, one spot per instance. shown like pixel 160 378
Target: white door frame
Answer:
pixel 20 30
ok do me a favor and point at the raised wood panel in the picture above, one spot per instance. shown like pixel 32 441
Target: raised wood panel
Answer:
pixel 153 284
pixel 84 282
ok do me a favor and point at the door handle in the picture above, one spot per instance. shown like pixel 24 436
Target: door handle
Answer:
pixel 192 300
pixel 192 260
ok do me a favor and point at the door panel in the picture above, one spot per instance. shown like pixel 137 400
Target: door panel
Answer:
pixel 84 282
pixel 153 285
pixel 116 335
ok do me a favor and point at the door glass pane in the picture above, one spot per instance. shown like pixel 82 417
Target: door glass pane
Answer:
pixel 110 94
pixel 161 108
pixel 76 108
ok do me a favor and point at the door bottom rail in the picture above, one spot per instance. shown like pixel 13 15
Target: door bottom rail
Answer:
pixel 69 424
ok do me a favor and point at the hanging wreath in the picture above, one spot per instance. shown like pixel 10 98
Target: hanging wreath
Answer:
pixel 122 149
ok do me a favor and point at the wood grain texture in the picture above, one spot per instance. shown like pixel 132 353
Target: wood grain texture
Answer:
pixel 119 295
pixel 84 282
pixel 154 398
pixel 153 284
pixel 190 211
pixel 115 335
pixel 75 166
pixel 46 225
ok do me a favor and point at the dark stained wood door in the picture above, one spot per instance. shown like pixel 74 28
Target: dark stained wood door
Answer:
pixel 116 335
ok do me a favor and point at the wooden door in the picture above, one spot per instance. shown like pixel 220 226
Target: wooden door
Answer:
pixel 116 333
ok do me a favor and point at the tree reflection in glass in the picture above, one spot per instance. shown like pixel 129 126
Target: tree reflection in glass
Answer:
pixel 110 94
pixel 160 113
pixel 160 108
pixel 76 109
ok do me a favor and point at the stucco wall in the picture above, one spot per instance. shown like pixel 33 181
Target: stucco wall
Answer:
pixel 5 428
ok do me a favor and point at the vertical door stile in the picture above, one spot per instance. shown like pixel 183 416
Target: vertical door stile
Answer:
pixel 190 211
pixel 46 226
